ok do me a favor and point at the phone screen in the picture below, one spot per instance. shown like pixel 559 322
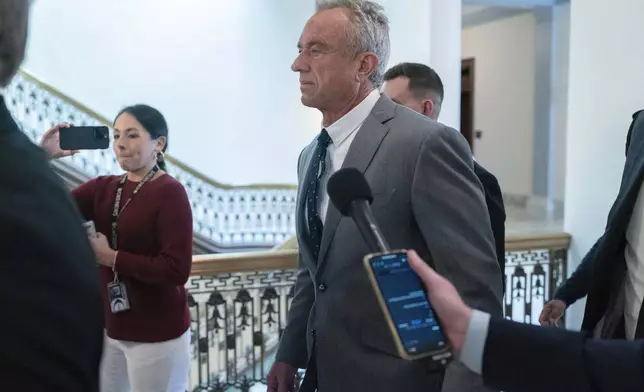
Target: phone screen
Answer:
pixel 407 303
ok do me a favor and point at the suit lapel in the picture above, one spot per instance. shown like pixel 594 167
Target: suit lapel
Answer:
pixel 636 165
pixel 361 153
pixel 631 183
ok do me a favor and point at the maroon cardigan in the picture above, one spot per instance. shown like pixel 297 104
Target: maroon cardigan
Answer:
pixel 154 256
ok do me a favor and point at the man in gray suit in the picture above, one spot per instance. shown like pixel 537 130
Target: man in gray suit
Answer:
pixel 426 197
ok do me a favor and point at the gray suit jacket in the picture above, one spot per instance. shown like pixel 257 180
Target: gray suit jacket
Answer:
pixel 427 198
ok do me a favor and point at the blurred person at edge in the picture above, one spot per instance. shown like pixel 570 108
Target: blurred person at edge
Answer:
pixel 145 252
pixel 51 333
pixel 612 272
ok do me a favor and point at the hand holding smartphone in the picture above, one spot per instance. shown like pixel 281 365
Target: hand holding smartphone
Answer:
pixel 414 325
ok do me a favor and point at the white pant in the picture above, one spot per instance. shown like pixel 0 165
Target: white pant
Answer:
pixel 146 367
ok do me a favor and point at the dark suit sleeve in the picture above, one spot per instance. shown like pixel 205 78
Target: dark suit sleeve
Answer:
pixel 527 358
pixel 494 202
pixel 578 285
pixel 292 347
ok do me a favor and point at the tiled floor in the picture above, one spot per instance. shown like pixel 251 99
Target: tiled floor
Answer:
pixel 532 215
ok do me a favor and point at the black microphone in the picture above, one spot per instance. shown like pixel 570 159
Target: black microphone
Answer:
pixel 351 195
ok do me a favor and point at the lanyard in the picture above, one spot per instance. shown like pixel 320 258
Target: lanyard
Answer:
pixel 116 212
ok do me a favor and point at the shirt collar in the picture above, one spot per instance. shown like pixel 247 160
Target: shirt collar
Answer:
pixel 347 124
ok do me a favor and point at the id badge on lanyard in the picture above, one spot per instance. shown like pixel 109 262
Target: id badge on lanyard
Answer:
pixel 116 290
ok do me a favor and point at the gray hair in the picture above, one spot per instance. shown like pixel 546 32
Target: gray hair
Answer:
pixel 370 32
pixel 14 16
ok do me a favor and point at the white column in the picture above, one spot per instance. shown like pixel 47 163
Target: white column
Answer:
pixel 445 55
pixel 605 88
pixel 429 32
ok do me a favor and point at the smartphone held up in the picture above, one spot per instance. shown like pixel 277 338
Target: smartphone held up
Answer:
pixel 84 138
pixel 413 323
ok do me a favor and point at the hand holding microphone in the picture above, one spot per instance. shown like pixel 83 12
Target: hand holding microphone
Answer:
pixel 351 195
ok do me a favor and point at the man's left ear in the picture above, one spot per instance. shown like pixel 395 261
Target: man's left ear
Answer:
pixel 428 108
pixel 368 65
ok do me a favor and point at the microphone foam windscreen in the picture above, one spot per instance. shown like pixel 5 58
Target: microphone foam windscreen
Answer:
pixel 347 185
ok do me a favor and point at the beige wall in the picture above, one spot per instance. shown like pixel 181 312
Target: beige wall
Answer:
pixel 504 51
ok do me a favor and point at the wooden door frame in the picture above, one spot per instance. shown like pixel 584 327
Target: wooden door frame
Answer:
pixel 467 88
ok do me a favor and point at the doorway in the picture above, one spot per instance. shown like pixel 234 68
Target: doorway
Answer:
pixel 467 101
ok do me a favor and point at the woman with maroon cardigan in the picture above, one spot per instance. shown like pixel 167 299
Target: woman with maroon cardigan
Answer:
pixel 143 246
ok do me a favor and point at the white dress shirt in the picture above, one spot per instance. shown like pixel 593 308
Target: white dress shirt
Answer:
pixel 342 133
pixel 634 255
pixel 471 354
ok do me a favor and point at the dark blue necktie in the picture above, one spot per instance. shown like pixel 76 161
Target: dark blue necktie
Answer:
pixel 313 176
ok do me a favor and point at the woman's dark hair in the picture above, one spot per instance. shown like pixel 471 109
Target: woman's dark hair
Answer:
pixel 153 122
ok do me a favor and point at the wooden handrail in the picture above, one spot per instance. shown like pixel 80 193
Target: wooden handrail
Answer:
pixel 540 241
pixel 285 256
pixel 223 263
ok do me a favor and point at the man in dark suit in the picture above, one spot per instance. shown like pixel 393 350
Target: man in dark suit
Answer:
pixel 51 334
pixel 420 88
pixel 517 357
pixel 426 197
pixel 612 273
